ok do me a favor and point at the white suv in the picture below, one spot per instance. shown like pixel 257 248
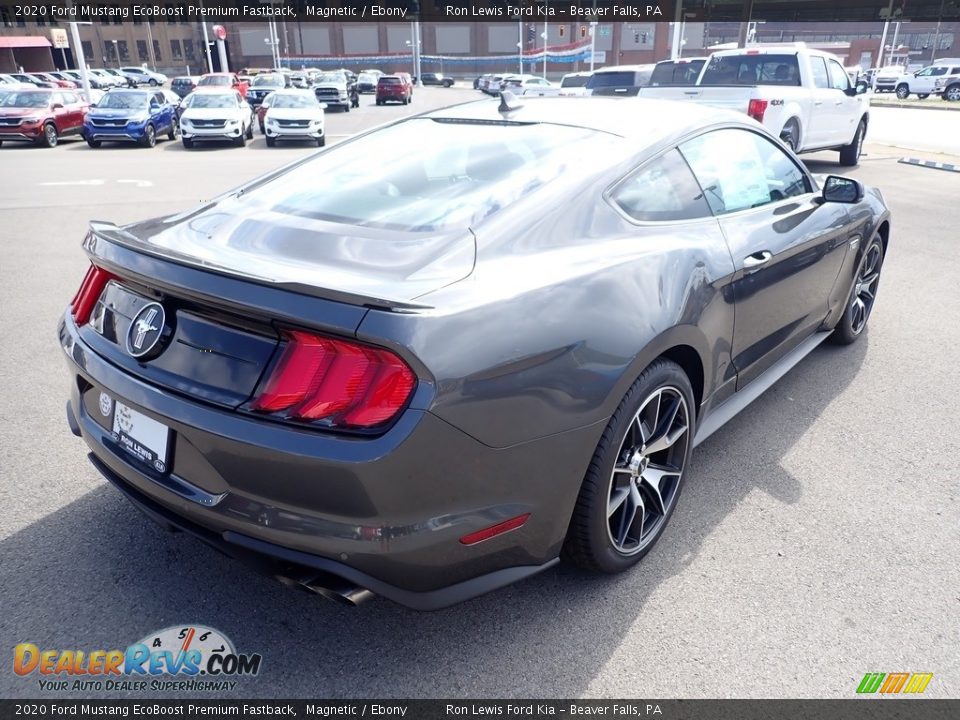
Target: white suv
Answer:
pixel 924 82
pixel 948 86
pixel 220 114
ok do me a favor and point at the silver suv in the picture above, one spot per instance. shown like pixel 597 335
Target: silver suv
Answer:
pixel 948 86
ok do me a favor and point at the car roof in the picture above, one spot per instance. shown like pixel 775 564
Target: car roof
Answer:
pixel 652 120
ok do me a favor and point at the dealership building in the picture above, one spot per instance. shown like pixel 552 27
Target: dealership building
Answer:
pixel 456 48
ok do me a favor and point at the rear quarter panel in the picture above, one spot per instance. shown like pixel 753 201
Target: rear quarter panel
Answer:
pixel 568 303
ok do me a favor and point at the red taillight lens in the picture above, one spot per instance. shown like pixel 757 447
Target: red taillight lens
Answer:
pixel 756 109
pixel 90 289
pixel 344 383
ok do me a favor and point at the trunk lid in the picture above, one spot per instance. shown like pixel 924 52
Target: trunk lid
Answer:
pixel 354 263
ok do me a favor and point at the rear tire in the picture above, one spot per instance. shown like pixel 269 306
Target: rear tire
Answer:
pixel 850 154
pixel 952 93
pixel 862 295
pixel 153 82
pixel 637 470
pixel 790 135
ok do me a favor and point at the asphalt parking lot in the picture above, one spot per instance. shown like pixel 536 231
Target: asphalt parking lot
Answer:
pixel 816 540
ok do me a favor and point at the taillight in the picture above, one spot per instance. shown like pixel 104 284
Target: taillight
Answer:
pixel 90 290
pixel 343 383
pixel 756 109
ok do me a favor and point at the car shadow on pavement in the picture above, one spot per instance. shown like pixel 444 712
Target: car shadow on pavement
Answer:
pixel 96 574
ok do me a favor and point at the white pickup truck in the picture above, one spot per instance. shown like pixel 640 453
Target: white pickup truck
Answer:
pixel 803 96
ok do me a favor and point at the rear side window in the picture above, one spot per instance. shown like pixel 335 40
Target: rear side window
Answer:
pixel 760 69
pixel 663 189
pixel 739 169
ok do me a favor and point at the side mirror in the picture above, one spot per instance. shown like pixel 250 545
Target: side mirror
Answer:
pixel 57 106
pixel 840 189
pixel 154 105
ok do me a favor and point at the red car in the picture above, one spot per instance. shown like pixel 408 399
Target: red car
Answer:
pixel 41 116
pixel 222 80
pixel 397 87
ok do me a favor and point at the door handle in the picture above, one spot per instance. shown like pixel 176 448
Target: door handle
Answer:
pixel 754 262
pixel 818 102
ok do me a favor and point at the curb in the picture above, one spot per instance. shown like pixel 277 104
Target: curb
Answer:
pixel 915 107
pixel 949 167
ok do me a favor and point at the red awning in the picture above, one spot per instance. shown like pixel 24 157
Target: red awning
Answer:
pixel 24 41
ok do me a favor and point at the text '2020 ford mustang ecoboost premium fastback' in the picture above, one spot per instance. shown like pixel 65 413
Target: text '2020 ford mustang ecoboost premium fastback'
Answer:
pixel 426 375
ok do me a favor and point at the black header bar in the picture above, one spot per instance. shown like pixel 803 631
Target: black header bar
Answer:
pixel 16 11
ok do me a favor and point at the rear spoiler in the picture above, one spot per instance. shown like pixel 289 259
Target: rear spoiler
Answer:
pixel 103 234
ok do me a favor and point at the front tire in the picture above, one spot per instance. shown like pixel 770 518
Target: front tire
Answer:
pixel 862 296
pixel 153 82
pixel 636 474
pixel 321 141
pixel 149 137
pixel 94 143
pixel 903 92
pixel 271 141
pixel 187 144
pixel 174 130
pixel 50 137
pixel 250 131
pixel 850 154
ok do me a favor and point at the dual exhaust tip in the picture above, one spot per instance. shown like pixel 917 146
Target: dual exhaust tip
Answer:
pixel 332 587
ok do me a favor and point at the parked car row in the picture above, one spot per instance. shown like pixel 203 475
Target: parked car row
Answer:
pixel 144 115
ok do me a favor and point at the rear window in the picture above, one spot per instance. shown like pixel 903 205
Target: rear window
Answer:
pixel 462 173
pixel 676 73
pixel 574 81
pixel 761 69
pixel 625 78
pixel 215 80
pixel 390 81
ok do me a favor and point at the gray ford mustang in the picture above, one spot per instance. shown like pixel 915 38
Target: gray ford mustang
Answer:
pixel 435 358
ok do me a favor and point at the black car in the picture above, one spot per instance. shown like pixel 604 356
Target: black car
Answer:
pixel 184 85
pixel 264 84
pixel 436 79
pixel 428 375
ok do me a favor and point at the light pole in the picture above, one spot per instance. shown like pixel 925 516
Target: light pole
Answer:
pixel 593 42
pixel 520 44
pixel 150 54
pixel 546 11
pixel 206 40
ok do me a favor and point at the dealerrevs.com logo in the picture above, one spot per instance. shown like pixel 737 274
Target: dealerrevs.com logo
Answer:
pixel 182 658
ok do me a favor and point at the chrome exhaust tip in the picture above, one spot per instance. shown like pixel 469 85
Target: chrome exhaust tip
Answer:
pixel 332 587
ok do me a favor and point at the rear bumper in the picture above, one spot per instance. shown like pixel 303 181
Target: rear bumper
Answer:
pixel 385 513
